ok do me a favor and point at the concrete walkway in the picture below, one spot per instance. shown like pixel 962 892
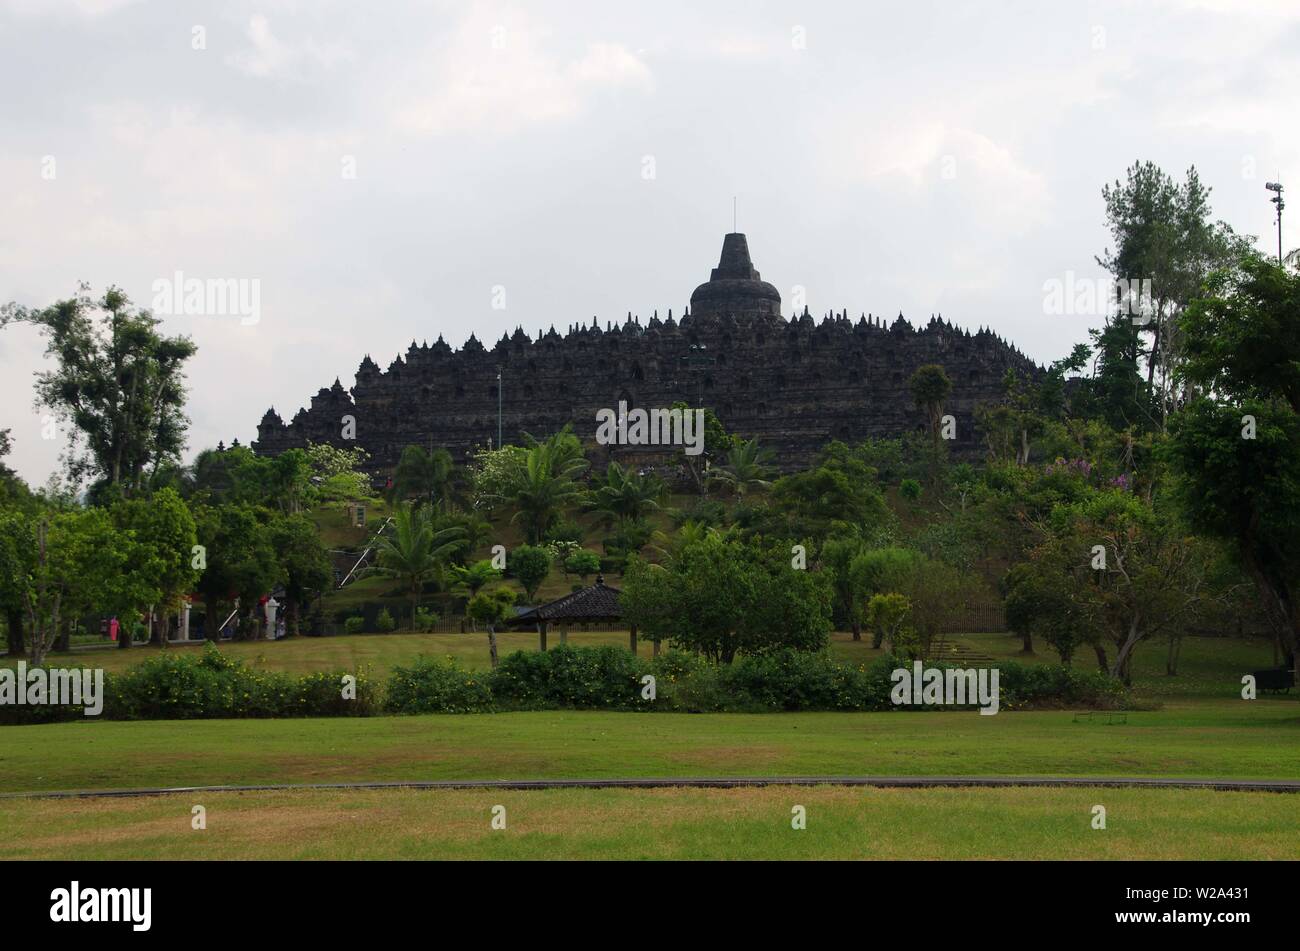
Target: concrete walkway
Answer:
pixel 730 782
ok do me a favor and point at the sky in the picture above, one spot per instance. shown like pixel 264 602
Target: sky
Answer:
pixel 380 172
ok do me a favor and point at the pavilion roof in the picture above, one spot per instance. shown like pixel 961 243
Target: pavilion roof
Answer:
pixel 597 602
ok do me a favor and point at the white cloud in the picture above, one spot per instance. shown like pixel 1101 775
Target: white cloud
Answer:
pixel 500 72
pixel 271 58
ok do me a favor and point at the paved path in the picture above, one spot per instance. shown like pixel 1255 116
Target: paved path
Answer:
pixel 728 782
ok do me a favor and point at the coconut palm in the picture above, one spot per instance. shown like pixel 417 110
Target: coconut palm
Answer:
pixel 626 495
pixel 416 552
pixel 547 486
pixel 748 466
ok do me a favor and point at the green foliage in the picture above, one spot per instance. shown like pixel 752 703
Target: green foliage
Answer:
pixel 425 620
pixel 416 551
pixel 626 495
pixel 491 607
pixel 385 624
pixel 748 467
pixel 530 564
pixel 721 597
pixel 354 625
pixel 421 474
pixel 605 678
pixel 910 489
pixel 118 382
pixel 583 563
pixel 437 686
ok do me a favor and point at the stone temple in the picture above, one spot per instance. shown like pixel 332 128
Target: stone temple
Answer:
pixel 793 383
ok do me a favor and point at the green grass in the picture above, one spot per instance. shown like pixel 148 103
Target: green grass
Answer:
pixel 1257 740
pixel 842 823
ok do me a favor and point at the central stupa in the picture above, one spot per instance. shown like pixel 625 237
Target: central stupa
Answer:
pixel 735 288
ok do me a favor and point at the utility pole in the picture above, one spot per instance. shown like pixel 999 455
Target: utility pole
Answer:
pixel 1276 187
pixel 498 407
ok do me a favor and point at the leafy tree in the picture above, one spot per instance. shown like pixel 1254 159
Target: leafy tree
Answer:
pixel 888 614
pixel 493 609
pixel 530 565
pixel 837 556
pixel 881 571
pixel 117 381
pixel 241 561
pixel 1164 234
pixel 719 597
pixel 338 472
pixel 1235 452
pixel 81 562
pixel 583 563
pixel 840 493
pixel 416 552
pixel 930 388
pixel 472 578
pixel 715 446
pixel 165 535
pixel 304 562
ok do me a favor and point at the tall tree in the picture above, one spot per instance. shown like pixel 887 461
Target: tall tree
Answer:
pixel 626 494
pixel 415 552
pixel 748 466
pixel 304 562
pixel 421 474
pixel 117 381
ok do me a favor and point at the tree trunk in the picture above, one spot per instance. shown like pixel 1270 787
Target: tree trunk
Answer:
pixel 155 629
pixel 1171 659
pixel 14 617
pixel 541 635
pixel 492 644
pixel 632 640
pixel 857 630
pixel 1102 663
pixel 656 643
pixel 877 637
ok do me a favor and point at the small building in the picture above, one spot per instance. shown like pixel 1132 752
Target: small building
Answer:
pixel 594 604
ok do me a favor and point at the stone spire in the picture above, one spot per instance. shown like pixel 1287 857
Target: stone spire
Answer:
pixel 735 287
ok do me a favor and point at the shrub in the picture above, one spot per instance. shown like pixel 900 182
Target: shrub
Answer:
pixel 354 625
pixel 607 677
pixel 385 624
pixel 425 620
pixel 437 686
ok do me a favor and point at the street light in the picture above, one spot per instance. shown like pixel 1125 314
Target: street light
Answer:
pixel 498 407
pixel 1276 187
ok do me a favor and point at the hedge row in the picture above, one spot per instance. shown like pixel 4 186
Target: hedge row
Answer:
pixel 215 686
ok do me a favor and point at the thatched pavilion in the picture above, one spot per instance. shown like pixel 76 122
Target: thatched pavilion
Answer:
pixel 595 604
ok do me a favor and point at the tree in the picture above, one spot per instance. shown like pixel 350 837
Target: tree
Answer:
pixel 1164 235
pixel 472 578
pixel 492 608
pixel 304 562
pixel 881 571
pixel 719 597
pixel 117 381
pixel 626 494
pixel 240 561
pixel 716 444
pixel 888 614
pixel 421 474
pixel 530 565
pixel 583 563
pixel 81 562
pixel 415 553
pixel 840 493
pixel 1235 451
pixel 338 472
pixel 17 551
pixel 837 556
pixel 165 535
pixel 930 388
pixel 545 487
pixel 748 466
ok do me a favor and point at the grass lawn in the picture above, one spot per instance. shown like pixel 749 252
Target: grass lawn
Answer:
pixel 842 823
pixel 1250 740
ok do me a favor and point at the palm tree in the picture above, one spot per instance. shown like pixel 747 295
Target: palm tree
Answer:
pixel 748 466
pixel 546 486
pixel 415 552
pixel 472 578
pixel 420 474
pixel 627 495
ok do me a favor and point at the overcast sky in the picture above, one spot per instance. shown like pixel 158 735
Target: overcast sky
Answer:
pixel 384 169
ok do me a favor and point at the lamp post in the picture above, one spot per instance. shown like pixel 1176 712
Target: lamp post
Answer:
pixel 1276 188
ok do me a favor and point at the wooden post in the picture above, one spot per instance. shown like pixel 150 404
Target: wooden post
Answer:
pixel 541 634
pixel 632 640
pixel 656 643
pixel 564 634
